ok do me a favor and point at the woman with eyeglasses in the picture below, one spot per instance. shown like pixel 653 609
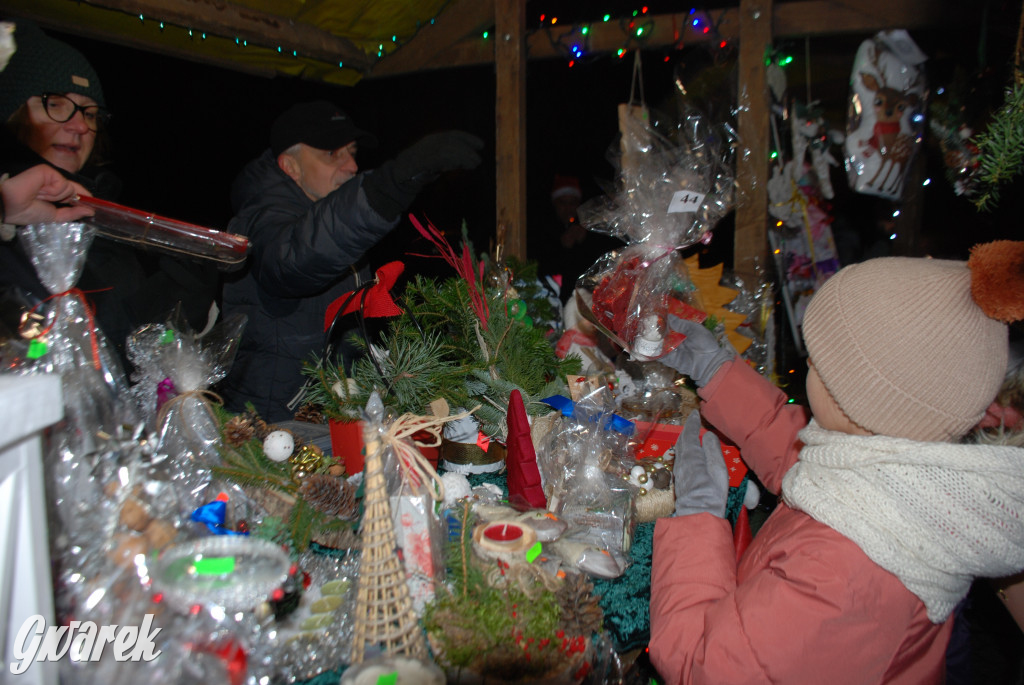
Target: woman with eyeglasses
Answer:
pixel 52 106
pixel 53 112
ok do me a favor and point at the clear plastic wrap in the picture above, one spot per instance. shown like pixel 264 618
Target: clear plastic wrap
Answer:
pixel 146 229
pixel 187 425
pixel 69 342
pixel 578 460
pixel 675 184
pixel 413 489
pixel 111 520
pixel 151 350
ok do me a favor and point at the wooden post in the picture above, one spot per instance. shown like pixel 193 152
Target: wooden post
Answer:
pixel 750 248
pixel 510 124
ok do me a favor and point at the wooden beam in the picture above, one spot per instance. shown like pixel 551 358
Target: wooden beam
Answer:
pixel 259 28
pixel 128 40
pixel 750 247
pixel 461 20
pixel 823 17
pixel 510 124
pixel 790 19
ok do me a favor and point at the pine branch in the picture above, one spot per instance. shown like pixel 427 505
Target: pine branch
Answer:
pixel 248 466
pixel 1001 149
pixel 300 525
pixel 327 377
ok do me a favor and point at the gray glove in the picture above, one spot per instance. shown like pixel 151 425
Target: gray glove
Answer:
pixel 699 356
pixel 701 476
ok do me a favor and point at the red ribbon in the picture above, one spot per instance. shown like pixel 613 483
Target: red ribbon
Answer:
pixel 376 302
pixel 90 314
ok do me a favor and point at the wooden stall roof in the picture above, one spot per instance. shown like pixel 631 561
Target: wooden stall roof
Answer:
pixel 343 41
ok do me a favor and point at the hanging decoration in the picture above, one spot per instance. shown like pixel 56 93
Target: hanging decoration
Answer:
pixel 802 242
pixel 886 122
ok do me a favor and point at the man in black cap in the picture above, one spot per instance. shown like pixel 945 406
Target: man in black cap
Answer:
pixel 310 216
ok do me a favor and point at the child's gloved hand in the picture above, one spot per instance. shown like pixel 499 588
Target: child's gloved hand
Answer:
pixel 699 356
pixel 701 476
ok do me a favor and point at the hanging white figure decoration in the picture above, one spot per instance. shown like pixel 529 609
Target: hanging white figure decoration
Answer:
pixel 810 137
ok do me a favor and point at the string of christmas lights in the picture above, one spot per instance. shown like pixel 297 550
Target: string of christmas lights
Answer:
pixel 573 40
pixel 383 47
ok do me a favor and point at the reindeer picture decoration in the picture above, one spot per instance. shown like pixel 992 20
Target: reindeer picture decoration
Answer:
pixel 885 123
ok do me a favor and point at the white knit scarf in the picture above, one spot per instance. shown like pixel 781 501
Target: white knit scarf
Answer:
pixel 936 515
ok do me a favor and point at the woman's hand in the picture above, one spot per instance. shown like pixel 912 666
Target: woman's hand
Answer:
pixel 30 197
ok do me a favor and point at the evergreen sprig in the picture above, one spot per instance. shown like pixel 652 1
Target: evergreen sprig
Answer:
pixel 439 348
pixel 1001 148
pixel 508 355
pixel 496 630
pixel 248 467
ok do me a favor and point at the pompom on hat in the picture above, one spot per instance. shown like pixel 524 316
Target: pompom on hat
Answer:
pixel 42 64
pixel 917 348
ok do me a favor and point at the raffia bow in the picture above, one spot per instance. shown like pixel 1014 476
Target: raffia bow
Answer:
pixel 206 398
pixel 415 467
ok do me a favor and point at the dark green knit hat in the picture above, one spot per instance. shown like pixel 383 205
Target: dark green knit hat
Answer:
pixel 42 64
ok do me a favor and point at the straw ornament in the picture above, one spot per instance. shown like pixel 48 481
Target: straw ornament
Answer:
pixel 384 616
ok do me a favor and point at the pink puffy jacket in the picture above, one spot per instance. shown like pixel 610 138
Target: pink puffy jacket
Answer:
pixel 804 605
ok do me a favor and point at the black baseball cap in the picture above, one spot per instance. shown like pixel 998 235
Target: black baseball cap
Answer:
pixel 319 124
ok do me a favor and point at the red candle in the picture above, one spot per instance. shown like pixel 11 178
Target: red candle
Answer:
pixel 503 532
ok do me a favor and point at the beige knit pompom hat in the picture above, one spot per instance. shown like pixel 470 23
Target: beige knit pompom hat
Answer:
pixel 905 348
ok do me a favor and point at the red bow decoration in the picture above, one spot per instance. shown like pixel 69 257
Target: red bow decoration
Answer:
pixel 376 302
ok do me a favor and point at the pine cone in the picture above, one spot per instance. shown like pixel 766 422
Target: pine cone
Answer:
pixel 348 509
pixel 323 493
pixel 261 428
pixel 310 413
pixel 238 430
pixel 581 612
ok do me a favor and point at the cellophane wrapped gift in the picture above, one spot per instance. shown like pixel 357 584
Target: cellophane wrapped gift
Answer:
pixel 221 607
pixel 675 183
pixel 187 425
pixel 128 513
pixel 578 461
pixel 68 342
pixel 885 124
pixel 413 488
pixel 151 384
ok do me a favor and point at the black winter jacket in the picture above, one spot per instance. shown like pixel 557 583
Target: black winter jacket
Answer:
pixel 302 256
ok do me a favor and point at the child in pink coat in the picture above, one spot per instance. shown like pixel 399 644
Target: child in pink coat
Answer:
pixel 884 518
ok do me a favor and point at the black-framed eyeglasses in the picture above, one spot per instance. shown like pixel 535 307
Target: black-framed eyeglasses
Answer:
pixel 61 109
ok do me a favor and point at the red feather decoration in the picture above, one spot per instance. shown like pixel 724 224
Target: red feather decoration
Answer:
pixel 463 267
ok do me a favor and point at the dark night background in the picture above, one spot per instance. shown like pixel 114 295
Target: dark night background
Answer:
pixel 182 130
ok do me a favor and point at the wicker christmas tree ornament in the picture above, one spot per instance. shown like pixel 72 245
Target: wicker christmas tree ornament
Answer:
pixel 384 614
